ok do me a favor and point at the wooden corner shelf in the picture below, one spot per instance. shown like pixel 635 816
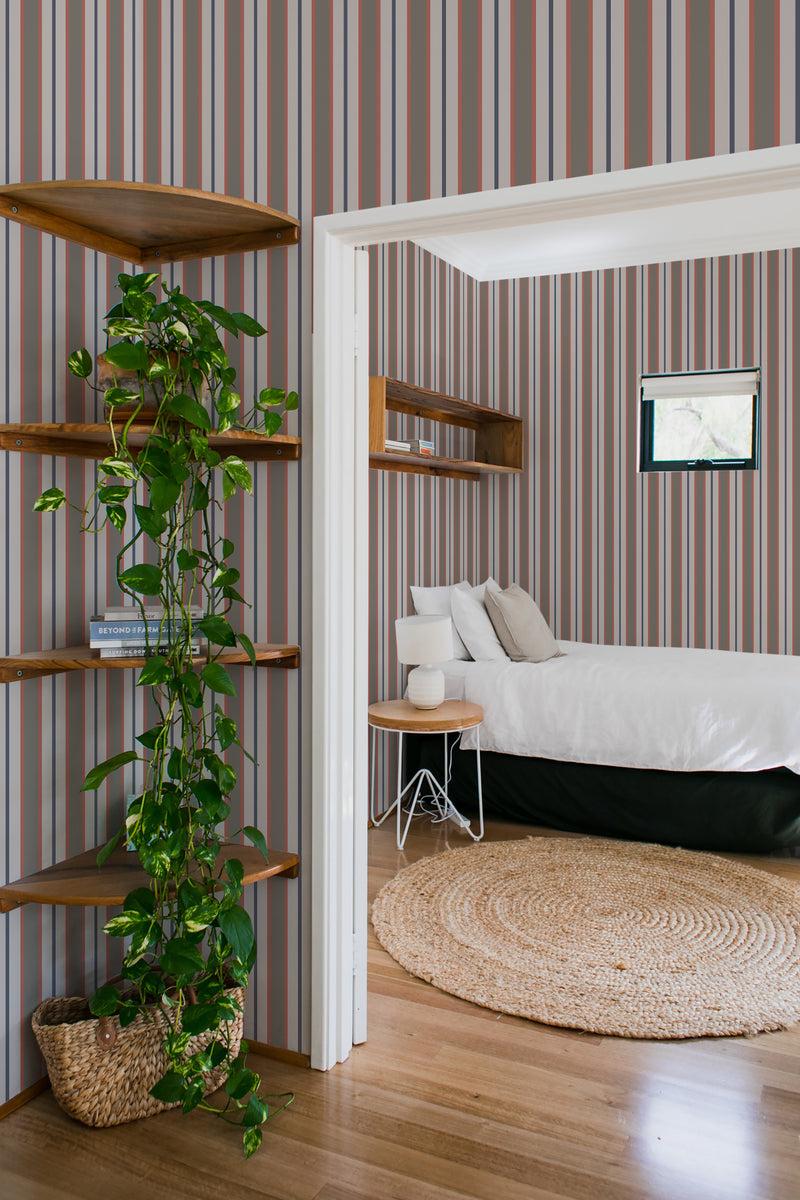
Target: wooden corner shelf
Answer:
pixel 94 441
pixel 498 435
pixel 79 881
pixel 145 223
pixel 35 663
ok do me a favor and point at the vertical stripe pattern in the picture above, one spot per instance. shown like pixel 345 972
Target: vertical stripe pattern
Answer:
pixel 312 106
pixel 611 555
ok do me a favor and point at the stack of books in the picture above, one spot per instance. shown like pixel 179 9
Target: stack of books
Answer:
pixel 126 632
pixel 414 446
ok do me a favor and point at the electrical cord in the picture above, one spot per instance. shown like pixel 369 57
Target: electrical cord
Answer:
pixel 434 806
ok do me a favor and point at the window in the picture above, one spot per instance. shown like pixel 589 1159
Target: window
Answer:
pixel 700 421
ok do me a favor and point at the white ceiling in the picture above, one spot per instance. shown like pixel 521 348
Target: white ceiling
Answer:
pixel 706 207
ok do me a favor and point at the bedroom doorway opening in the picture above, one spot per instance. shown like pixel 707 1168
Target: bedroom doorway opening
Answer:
pixel 724 205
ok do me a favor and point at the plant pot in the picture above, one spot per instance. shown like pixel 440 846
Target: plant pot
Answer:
pixel 100 1073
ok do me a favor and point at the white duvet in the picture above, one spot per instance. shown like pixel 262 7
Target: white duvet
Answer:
pixel 627 706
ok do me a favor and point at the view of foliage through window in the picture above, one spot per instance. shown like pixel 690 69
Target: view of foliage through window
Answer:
pixel 710 427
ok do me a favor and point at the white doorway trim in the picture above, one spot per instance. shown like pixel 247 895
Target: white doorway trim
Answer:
pixel 339 465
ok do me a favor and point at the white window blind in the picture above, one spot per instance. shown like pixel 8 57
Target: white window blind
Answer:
pixel 713 383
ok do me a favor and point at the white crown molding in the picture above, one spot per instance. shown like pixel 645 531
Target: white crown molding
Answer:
pixel 698 189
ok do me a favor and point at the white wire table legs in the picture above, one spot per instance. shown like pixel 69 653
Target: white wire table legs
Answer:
pixel 375 819
pixel 480 781
pixel 425 787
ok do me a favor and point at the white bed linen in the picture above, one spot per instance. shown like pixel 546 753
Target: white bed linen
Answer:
pixel 628 706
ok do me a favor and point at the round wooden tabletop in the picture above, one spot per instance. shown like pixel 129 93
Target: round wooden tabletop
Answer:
pixel 401 715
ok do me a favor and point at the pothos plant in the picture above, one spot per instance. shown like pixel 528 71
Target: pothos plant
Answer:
pixel 190 940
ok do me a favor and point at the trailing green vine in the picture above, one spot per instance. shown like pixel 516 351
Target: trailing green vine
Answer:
pixel 190 940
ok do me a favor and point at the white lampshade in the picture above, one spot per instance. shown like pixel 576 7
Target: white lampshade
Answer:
pixel 424 639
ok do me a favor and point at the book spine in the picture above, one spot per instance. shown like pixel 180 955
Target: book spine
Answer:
pixel 130 650
pixel 415 446
pixel 129 612
pixel 113 630
pixel 142 643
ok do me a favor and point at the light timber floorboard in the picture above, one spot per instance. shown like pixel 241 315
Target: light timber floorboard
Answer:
pixel 447 1100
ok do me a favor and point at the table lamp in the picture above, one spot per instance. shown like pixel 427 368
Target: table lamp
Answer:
pixel 424 641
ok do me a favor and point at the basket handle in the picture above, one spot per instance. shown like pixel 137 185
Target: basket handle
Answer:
pixel 105 1033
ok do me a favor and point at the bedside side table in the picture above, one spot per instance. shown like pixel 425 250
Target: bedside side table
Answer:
pixel 400 717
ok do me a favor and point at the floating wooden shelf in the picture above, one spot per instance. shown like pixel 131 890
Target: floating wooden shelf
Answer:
pixel 432 464
pixel 498 435
pixel 144 223
pixel 79 880
pixel 94 441
pixel 35 663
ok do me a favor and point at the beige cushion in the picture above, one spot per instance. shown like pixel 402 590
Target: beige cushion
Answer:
pixel 520 626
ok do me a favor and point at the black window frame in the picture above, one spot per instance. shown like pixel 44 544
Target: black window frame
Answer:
pixel 648 463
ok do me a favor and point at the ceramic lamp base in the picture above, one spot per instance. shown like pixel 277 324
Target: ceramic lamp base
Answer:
pixel 426 687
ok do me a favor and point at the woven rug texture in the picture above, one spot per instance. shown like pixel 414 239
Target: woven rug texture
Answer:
pixel 612 937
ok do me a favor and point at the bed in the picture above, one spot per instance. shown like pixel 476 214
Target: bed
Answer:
pixel 697 748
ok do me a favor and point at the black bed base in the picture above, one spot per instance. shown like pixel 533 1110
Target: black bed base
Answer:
pixel 755 812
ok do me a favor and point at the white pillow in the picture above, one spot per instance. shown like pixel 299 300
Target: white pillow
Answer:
pixel 435 601
pixel 473 624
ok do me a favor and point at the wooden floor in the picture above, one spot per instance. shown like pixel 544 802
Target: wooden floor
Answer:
pixel 447 1100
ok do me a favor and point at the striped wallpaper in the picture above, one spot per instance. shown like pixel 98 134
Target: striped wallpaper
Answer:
pixel 611 555
pixel 315 106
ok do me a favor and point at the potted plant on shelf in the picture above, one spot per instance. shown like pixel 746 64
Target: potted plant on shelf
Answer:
pixel 191 945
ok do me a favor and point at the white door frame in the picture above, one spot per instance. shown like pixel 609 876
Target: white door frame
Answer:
pixel 340 516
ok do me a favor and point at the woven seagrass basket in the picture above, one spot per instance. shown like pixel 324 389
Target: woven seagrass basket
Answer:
pixel 100 1073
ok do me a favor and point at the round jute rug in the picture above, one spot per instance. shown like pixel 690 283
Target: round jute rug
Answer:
pixel 612 937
